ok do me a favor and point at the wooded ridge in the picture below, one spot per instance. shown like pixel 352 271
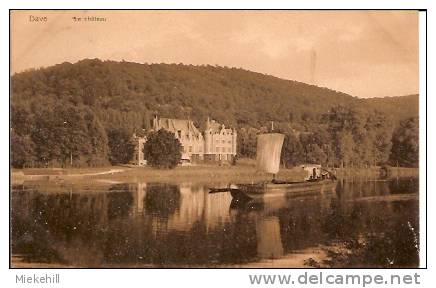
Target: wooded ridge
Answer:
pixel 68 111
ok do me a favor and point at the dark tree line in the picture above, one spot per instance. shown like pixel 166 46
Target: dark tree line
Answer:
pixel 54 136
pixel 405 144
pixel 346 136
pixel 85 113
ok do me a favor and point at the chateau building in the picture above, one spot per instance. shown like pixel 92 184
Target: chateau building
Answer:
pixel 216 143
pixel 219 142
pixel 188 135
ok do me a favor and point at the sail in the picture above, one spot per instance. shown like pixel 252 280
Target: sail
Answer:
pixel 269 148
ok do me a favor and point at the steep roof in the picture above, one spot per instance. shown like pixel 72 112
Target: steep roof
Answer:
pixel 216 127
pixel 175 125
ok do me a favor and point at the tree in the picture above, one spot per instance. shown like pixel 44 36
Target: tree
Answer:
pixel 67 133
pixel 292 151
pixel 22 150
pixel 162 150
pixel 379 129
pixel 361 136
pixel 121 146
pixel 98 139
pixel 345 147
pixel 247 141
pixel 405 144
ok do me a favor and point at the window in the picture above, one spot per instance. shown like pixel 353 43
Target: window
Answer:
pixel 190 149
pixel 223 141
pixel 217 149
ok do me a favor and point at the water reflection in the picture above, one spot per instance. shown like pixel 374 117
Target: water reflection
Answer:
pixel 269 242
pixel 150 224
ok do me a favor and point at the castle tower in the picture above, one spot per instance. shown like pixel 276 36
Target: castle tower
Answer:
pixel 155 123
pixel 207 137
pixel 234 135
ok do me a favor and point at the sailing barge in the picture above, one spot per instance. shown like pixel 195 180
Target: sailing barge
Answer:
pixel 271 189
pixel 269 147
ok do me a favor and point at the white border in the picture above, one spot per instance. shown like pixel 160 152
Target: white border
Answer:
pixel 190 277
pixel 422 136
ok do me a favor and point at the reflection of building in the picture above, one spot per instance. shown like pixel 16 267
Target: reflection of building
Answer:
pixel 191 208
pixel 139 198
pixel 191 205
pixel 216 143
pixel 216 209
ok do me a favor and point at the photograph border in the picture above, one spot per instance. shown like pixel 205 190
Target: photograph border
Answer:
pixel 421 113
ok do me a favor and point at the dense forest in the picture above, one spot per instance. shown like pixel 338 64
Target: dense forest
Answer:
pixel 82 114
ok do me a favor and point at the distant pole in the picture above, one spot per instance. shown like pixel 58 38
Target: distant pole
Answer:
pixel 272 125
pixel 313 60
pixel 71 159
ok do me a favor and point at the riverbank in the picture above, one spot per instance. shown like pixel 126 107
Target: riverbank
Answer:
pixel 56 174
pixel 298 259
pixel 203 173
pixel 244 172
pixel 376 172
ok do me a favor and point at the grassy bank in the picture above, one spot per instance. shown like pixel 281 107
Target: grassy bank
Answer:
pixel 402 172
pixel 376 172
pixel 244 172
pixel 50 174
pixel 203 174
pixel 63 171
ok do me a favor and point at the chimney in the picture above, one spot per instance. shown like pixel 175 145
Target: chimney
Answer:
pixel 208 123
pixel 155 123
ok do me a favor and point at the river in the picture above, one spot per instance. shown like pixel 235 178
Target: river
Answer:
pixel 360 223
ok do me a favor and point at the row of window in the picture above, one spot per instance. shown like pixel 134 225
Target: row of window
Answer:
pixel 217 149
pixel 223 141
pixel 187 136
pixel 190 149
pixel 223 149
pixel 217 133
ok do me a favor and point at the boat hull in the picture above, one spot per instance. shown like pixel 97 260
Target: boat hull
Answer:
pixel 267 190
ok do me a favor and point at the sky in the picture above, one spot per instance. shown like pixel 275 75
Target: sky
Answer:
pixel 362 53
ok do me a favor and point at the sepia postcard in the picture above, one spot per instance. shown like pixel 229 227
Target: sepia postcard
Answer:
pixel 214 139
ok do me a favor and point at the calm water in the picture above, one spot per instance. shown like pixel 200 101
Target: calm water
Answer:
pixel 160 225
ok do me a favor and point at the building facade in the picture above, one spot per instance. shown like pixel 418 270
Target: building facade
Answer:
pixel 138 155
pixel 216 143
pixel 188 135
pixel 219 142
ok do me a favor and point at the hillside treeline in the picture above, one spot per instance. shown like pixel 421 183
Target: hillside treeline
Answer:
pixel 85 113
pixel 347 137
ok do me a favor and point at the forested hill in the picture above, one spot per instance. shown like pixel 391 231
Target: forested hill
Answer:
pixel 399 107
pixel 108 96
pixel 234 96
